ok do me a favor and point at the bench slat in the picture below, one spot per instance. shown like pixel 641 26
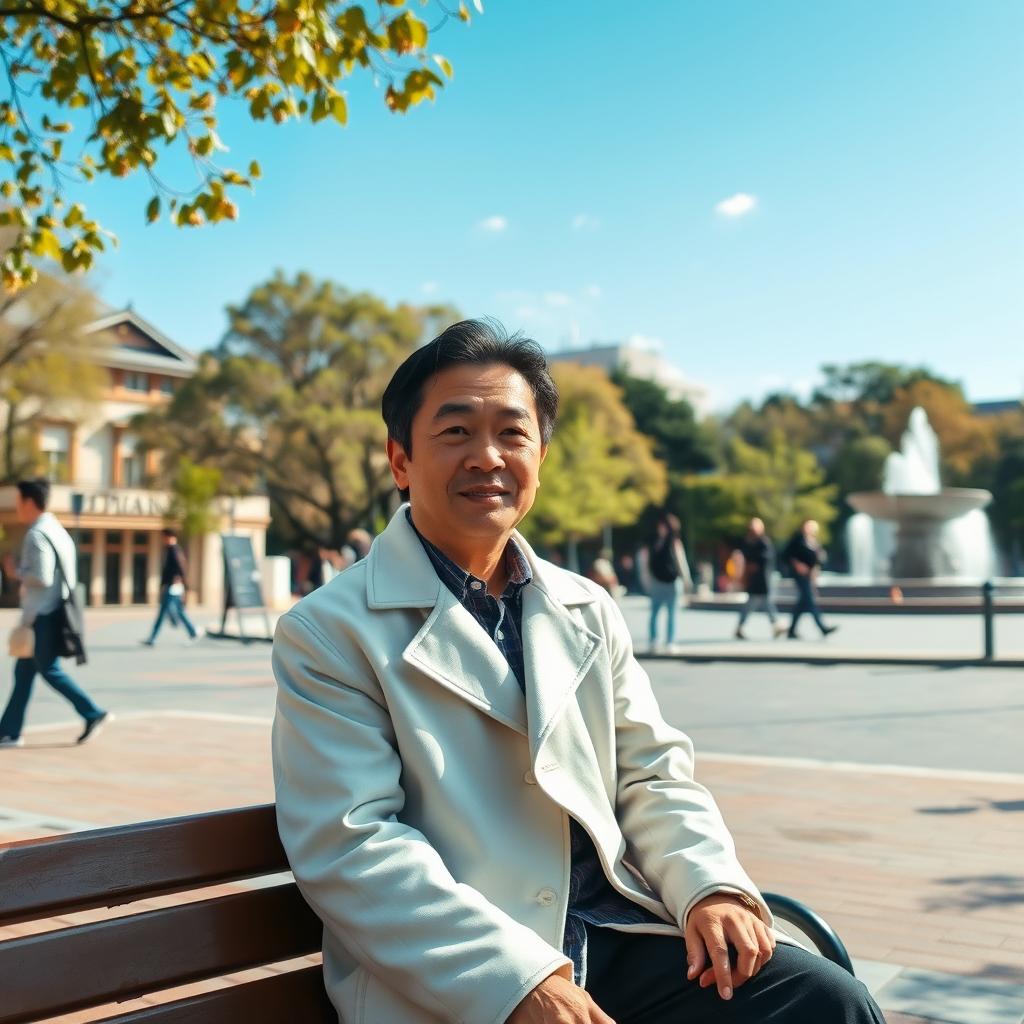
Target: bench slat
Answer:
pixel 88 965
pixel 110 866
pixel 297 997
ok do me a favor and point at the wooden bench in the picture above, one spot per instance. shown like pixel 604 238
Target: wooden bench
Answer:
pixel 122 958
pixel 89 965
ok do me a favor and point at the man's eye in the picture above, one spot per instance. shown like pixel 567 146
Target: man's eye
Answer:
pixel 455 430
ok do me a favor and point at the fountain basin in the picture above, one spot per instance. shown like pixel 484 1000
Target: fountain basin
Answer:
pixel 950 503
pixel 921 551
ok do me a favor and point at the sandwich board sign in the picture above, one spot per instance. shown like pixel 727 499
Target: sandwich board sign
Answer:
pixel 243 585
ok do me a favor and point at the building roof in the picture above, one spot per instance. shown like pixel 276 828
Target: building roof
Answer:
pixel 137 345
pixel 998 406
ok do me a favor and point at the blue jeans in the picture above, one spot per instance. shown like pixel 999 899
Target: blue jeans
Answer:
pixel 172 605
pixel 46 662
pixel 806 602
pixel 664 595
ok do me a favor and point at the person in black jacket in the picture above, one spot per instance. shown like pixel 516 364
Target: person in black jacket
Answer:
pixel 758 563
pixel 803 554
pixel 172 590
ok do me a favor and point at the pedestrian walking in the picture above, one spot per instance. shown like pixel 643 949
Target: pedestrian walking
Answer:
pixel 47 569
pixel 602 572
pixel 663 572
pixel 173 584
pixel 357 546
pixel 804 555
pixel 758 564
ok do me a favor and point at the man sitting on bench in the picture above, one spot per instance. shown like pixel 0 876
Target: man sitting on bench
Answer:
pixel 475 787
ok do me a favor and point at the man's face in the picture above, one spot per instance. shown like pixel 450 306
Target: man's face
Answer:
pixel 811 529
pixel 25 509
pixel 170 539
pixel 476 453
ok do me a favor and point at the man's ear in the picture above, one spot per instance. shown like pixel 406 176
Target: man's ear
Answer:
pixel 398 461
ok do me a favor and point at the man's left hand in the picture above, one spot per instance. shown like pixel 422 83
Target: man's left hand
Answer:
pixel 719 921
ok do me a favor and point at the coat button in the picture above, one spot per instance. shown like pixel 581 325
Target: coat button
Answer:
pixel 546 897
pixel 529 778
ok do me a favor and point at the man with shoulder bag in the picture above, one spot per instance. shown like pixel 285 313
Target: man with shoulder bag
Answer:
pixel 50 625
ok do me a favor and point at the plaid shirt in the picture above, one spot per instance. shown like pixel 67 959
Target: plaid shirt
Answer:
pixel 592 900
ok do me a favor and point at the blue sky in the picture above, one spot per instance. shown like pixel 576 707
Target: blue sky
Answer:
pixel 568 182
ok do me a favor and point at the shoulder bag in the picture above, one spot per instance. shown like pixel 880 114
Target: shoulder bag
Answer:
pixel 68 616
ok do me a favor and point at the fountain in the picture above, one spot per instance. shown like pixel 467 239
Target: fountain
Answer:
pixel 927 531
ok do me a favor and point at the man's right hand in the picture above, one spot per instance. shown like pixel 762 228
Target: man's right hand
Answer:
pixel 556 1000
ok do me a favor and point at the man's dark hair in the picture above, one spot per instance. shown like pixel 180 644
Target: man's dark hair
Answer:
pixel 169 531
pixel 37 491
pixel 473 342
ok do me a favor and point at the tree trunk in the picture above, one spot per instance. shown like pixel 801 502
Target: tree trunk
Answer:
pixel 8 466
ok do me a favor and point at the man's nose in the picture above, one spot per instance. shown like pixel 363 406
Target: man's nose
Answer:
pixel 485 457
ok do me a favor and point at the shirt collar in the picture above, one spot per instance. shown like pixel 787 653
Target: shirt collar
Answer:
pixel 461 582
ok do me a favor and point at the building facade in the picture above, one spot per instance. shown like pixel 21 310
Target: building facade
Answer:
pixel 99 477
pixel 645 363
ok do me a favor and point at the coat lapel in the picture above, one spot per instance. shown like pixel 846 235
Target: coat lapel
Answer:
pixel 452 649
pixel 558 650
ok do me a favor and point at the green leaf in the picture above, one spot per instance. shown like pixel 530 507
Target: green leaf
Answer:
pixel 445 65
pixel 46 243
pixel 254 170
pixel 153 210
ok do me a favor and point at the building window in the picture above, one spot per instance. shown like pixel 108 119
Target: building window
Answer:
pixel 167 386
pixel 55 451
pixel 132 381
pixel 133 463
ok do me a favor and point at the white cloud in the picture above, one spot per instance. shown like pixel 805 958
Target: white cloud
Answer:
pixel 645 341
pixel 584 222
pixel 557 299
pixel 495 223
pixel 592 291
pixel 527 313
pixel 737 205
pixel 429 287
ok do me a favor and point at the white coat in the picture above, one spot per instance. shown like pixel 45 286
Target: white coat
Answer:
pixel 424 803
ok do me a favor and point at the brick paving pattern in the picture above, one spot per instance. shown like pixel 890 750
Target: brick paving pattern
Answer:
pixel 909 870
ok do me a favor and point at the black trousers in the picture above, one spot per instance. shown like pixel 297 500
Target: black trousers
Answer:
pixel 641 979
pixel 806 601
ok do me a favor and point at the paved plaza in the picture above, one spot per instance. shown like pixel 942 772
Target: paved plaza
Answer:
pixel 890 798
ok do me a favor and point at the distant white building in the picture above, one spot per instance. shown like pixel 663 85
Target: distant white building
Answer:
pixel 646 363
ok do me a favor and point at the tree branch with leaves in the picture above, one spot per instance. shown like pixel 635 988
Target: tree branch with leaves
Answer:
pixel 138 79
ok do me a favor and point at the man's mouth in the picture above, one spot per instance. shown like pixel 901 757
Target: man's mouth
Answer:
pixel 483 492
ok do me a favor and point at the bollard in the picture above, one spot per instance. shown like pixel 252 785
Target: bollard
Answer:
pixel 987 611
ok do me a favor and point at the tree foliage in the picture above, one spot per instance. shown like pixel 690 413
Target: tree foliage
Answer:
pixel 600 470
pixel 135 81
pixel 679 440
pixel 289 403
pixel 785 484
pixel 193 490
pixel 48 365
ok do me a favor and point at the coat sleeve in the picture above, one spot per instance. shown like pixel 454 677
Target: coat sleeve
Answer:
pixel 380 888
pixel 675 832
